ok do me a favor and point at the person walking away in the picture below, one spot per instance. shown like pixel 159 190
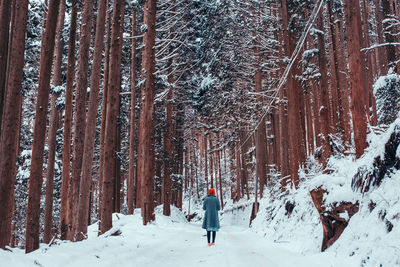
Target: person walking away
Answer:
pixel 211 222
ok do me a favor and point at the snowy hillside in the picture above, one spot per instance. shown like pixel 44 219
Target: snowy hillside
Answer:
pixel 372 235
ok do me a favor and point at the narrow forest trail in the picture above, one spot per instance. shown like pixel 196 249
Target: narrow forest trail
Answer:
pixel 169 242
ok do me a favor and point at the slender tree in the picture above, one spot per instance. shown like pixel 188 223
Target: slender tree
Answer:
pixel 80 110
pixel 260 133
pixel 353 20
pixel 131 190
pixel 146 154
pixel 111 117
pixel 104 104
pixel 53 125
pixel 166 194
pixel 323 116
pixel 9 140
pixel 82 218
pixel 205 152
pixel 39 132
pixel 5 19
pixel 65 217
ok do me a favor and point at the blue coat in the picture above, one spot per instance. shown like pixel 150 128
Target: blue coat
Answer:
pixel 211 206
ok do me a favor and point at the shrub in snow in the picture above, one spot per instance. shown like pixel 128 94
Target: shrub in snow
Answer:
pixel 387 94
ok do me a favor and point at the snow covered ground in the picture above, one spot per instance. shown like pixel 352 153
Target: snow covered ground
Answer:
pixel 170 242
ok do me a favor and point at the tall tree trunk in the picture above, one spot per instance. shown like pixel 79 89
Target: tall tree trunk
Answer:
pixel 283 106
pixel 232 172
pixel 324 118
pixel 146 154
pixel 53 125
pixel 334 69
pixel 271 148
pixel 117 174
pixel 221 196
pixel 180 115
pixel 244 173
pixel 146 118
pixel 352 12
pixel 90 131
pixel 294 119
pixel 238 174
pixel 166 195
pixel 260 133
pixel 334 92
pixel 80 109
pixel 344 111
pixel 205 160
pixel 112 116
pixel 211 163
pixel 260 143
pixel 131 194
pixel 310 132
pixel 64 213
pixel 366 60
pixel 196 168
pixel 39 132
pixel 5 20
pixel 9 140
pixel 104 105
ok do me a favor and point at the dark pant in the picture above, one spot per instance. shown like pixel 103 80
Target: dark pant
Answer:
pixel 209 236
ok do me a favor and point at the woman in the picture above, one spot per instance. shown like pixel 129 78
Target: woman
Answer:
pixel 210 222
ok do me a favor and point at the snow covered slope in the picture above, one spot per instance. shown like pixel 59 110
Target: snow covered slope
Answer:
pixel 372 235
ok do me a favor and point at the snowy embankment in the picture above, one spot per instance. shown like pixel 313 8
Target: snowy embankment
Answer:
pixel 373 233
pixel 170 241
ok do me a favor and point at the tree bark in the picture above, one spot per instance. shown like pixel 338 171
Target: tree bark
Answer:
pixel 112 116
pixel 80 110
pixel 221 196
pixel 64 213
pixel 53 126
pixel 324 118
pixel 5 20
pixel 283 106
pixel 117 172
pixel 352 12
pixel 9 140
pixel 238 174
pixel 131 194
pixel 39 132
pixel 260 143
pixel 146 119
pixel 180 115
pixel 293 108
pixel 211 163
pixel 104 105
pixel 90 131
pixel 205 160
pixel 168 149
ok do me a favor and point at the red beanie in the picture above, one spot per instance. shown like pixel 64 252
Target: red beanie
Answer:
pixel 211 191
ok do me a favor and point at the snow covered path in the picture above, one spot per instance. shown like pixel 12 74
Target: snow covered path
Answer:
pixel 235 246
pixel 168 242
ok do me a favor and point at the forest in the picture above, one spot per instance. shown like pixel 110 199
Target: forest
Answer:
pixel 124 113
